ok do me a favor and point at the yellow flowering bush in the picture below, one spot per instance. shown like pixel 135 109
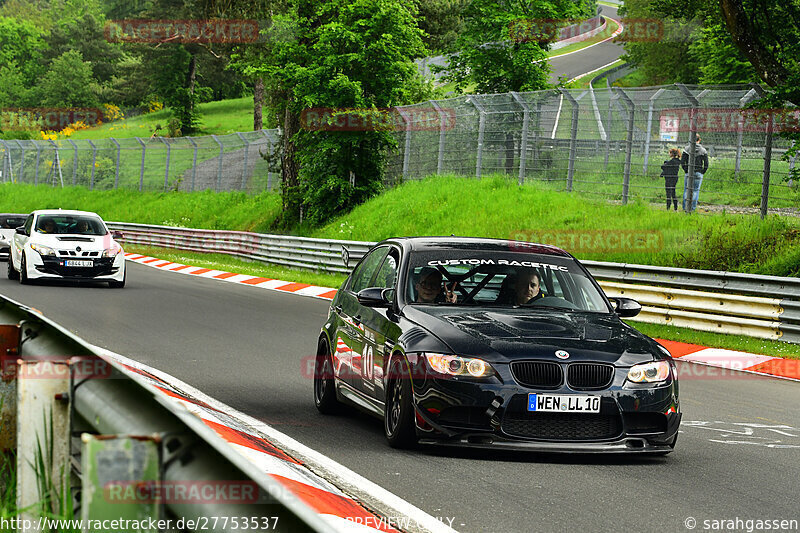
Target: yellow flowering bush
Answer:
pixel 155 105
pixel 112 112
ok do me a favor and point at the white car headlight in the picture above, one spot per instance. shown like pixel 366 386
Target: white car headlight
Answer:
pixel 43 250
pixel 455 365
pixel 649 372
pixel 111 252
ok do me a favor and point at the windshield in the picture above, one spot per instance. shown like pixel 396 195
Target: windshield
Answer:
pixel 511 280
pixel 71 225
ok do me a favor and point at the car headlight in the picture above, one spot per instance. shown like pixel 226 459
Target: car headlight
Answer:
pixel 111 252
pixel 455 365
pixel 43 250
pixel 649 372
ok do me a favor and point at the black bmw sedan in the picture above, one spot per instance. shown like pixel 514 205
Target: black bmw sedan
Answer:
pixel 493 343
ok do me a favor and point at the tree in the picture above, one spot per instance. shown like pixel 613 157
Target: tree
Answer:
pixel 441 21
pixel 21 43
pixel 494 50
pixel 68 83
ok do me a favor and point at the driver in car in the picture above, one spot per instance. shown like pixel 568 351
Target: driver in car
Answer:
pixel 48 226
pixel 430 289
pixel 521 288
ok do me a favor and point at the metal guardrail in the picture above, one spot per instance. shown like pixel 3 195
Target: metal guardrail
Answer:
pixel 61 388
pixel 725 302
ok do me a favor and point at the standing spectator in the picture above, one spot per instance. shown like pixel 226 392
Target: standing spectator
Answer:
pixel 669 170
pixel 699 169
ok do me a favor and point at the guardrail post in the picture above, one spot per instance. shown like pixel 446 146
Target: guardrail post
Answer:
pixel 94 163
pixel 43 441
pixel 407 146
pixel 194 162
pixel 219 166
pixel 573 133
pixel 116 171
pixel 740 133
pixel 244 169
pixel 36 171
pixel 767 155
pixel 481 130
pixel 141 169
pixel 626 180
pixel 166 173
pixel 650 127
pixel 689 181
pixel 74 162
pixel 523 148
pixel 442 124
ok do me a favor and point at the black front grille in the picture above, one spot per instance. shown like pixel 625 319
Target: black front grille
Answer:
pixel 589 376
pixel 464 417
pixel 538 374
pixel 103 266
pixel 562 426
pixel 645 422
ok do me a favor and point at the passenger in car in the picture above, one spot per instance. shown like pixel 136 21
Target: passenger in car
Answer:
pixel 429 287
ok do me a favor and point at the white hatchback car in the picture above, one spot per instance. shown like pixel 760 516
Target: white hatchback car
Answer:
pixel 70 245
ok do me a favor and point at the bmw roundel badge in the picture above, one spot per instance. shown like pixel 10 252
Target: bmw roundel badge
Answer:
pixel 561 354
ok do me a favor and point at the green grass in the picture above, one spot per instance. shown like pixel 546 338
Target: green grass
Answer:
pixel 240 266
pixel 719 340
pixel 634 79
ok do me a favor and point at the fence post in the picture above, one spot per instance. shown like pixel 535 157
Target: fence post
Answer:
pixel 21 161
pixel 141 170
pixel 407 146
pixel 688 186
pixel 166 173
pixel 219 167
pixel 573 134
pixel 74 162
pixel 523 148
pixel 6 161
pixel 481 130
pixel 57 161
pixel 442 123
pixel 244 170
pixel 740 133
pixel 36 172
pixel 767 154
pixel 194 162
pixel 94 163
pixel 116 171
pixel 611 98
pixel 650 127
pixel 626 180
pixel 268 136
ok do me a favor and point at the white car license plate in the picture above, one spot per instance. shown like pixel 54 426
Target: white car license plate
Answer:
pixel 571 403
pixel 78 263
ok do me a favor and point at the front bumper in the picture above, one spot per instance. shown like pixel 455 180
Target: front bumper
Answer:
pixel 103 269
pixel 493 413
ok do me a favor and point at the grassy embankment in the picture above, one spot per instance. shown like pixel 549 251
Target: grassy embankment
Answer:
pixel 493 207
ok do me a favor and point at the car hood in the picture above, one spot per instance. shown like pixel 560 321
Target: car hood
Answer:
pixel 72 242
pixel 504 335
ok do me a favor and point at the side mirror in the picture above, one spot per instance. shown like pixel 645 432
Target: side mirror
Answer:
pixel 375 297
pixel 21 230
pixel 116 235
pixel 626 307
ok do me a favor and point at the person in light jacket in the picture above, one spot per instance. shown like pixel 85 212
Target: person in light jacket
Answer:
pixel 699 170
pixel 669 170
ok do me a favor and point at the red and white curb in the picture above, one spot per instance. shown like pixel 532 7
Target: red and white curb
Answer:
pixel 304 289
pixel 296 467
pixel 734 360
pixel 716 357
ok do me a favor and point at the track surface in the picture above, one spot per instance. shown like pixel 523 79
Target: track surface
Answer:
pixel 245 347
pixel 589 59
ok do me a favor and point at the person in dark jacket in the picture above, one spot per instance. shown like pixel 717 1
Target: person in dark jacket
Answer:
pixel 700 168
pixel 669 170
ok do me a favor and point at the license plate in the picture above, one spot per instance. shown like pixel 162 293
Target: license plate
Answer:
pixel 571 403
pixel 78 263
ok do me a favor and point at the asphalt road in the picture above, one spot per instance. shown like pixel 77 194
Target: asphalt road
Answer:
pixel 589 59
pixel 738 455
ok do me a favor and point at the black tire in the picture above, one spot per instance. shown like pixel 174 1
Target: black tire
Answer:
pixel 23 270
pixel 12 272
pixel 118 284
pixel 324 386
pixel 398 415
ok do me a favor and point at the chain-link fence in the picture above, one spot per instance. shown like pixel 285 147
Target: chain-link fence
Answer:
pixel 607 143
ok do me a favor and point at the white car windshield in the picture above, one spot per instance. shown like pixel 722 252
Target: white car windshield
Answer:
pixel 70 225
